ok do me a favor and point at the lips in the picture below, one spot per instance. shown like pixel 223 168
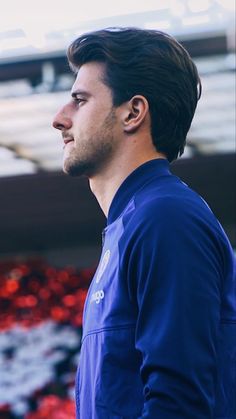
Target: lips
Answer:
pixel 68 140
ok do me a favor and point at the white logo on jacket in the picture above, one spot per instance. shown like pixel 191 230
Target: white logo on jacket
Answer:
pixel 97 296
pixel 103 265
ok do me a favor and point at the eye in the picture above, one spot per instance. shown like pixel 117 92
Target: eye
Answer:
pixel 78 99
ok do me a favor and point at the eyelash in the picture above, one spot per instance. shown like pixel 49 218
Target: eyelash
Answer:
pixel 78 100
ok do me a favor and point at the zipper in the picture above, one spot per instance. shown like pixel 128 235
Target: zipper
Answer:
pixel 103 236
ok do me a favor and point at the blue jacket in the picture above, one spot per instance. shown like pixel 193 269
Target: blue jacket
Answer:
pixel 159 326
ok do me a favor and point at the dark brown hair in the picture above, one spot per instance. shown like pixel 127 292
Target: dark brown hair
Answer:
pixel 149 63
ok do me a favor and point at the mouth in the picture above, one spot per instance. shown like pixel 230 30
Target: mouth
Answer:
pixel 67 141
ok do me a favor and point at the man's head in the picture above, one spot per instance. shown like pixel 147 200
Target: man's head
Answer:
pixel 88 124
pixel 151 64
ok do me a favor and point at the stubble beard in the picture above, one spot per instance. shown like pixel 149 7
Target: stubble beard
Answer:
pixel 93 153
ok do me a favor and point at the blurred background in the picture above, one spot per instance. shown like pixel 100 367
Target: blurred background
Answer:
pixel 50 224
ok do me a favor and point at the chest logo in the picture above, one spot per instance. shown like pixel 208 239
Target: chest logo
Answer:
pixel 97 296
pixel 103 265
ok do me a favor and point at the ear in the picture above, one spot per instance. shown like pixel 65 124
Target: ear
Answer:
pixel 135 112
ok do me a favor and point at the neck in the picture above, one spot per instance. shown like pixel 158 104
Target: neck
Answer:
pixel 105 184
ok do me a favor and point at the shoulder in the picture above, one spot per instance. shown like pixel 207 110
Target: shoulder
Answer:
pixel 172 215
pixel 169 207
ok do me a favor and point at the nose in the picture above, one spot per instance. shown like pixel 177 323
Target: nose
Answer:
pixel 61 120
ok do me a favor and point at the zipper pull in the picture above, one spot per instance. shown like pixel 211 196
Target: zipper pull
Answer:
pixel 103 236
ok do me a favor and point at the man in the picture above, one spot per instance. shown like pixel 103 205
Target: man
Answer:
pixel 159 320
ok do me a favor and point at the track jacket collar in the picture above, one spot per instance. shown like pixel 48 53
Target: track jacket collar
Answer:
pixel 136 180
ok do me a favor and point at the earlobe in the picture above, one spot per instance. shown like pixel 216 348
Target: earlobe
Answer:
pixel 136 111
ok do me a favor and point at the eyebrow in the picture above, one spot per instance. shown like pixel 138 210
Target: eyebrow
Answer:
pixel 80 92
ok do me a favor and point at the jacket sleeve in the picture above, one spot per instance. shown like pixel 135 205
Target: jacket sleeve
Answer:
pixel 174 276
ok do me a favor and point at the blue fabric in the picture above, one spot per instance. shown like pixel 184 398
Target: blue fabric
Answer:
pixel 159 326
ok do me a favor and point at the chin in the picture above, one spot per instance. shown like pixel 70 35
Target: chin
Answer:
pixel 70 170
pixel 76 168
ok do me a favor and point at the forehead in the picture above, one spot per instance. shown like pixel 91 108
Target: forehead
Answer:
pixel 90 78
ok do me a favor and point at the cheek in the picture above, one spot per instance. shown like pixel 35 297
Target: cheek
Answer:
pixel 85 129
pixel 81 123
pixel 88 122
